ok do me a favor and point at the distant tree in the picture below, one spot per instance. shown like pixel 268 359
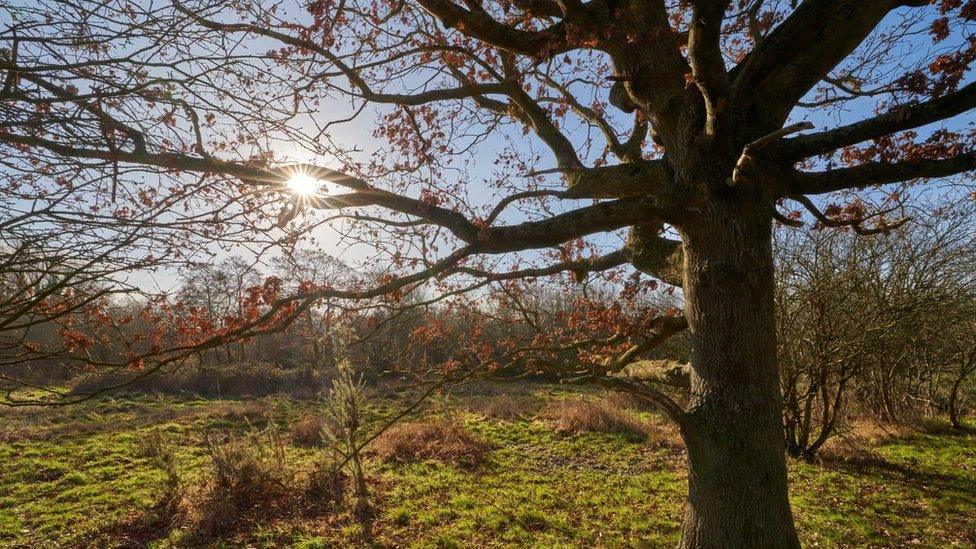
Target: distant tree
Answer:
pixel 885 323
pixel 458 191
pixel 315 268
pixel 219 290
pixel 966 366
pixel 829 330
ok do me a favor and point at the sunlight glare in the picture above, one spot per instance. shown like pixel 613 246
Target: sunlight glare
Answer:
pixel 303 185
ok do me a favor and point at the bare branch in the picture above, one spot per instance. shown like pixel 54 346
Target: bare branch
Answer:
pixel 897 119
pixel 478 24
pixel 856 224
pixel 878 173
pixel 802 50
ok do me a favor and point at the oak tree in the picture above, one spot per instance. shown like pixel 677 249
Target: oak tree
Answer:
pixel 506 134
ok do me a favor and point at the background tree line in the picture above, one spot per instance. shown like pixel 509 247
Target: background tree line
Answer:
pixel 878 327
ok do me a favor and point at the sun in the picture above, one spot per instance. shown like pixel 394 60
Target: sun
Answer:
pixel 303 185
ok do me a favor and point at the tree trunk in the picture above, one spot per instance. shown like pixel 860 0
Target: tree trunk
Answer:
pixel 737 493
pixel 968 366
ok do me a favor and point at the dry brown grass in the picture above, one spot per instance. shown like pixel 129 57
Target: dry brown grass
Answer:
pixel 580 415
pixel 249 476
pixel 444 440
pixel 628 401
pixel 857 441
pixel 504 407
pixel 249 480
pixel 660 431
pixel 306 430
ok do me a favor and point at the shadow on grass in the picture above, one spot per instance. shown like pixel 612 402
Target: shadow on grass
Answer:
pixel 915 474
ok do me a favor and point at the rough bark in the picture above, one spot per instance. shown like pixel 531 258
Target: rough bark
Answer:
pixel 737 494
pixel 968 367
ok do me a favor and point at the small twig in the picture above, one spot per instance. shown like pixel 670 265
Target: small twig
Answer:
pixel 796 223
pixel 855 224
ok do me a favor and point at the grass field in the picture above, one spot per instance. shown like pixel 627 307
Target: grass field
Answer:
pixel 81 477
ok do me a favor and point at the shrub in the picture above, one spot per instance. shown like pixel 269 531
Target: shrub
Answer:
pixel 444 440
pixel 327 485
pixel 306 430
pixel 579 415
pixel 343 433
pixel 223 380
pixel 248 473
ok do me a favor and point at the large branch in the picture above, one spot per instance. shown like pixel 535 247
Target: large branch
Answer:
pixel 651 70
pixel 620 180
pixel 629 151
pixel 802 50
pixel 645 250
pixel 898 119
pixel 606 216
pixel 365 194
pixel 469 90
pixel 602 217
pixel 479 24
pixel 540 8
pixel 705 57
pixel 562 148
pixel 878 173
pixel 578 267
pixel 551 231
pixel 652 254
pixel 663 328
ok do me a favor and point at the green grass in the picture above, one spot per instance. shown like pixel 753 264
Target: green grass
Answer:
pixel 75 477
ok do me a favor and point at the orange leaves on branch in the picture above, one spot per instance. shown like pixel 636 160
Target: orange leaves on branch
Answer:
pixel 393 296
pixel 940 29
pixel 905 147
pixel 75 341
pixel 967 11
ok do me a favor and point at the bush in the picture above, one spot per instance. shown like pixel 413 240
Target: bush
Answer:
pixel 327 485
pixel 343 434
pixel 248 474
pixel 224 380
pixel 580 415
pixel 306 430
pixel 444 440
